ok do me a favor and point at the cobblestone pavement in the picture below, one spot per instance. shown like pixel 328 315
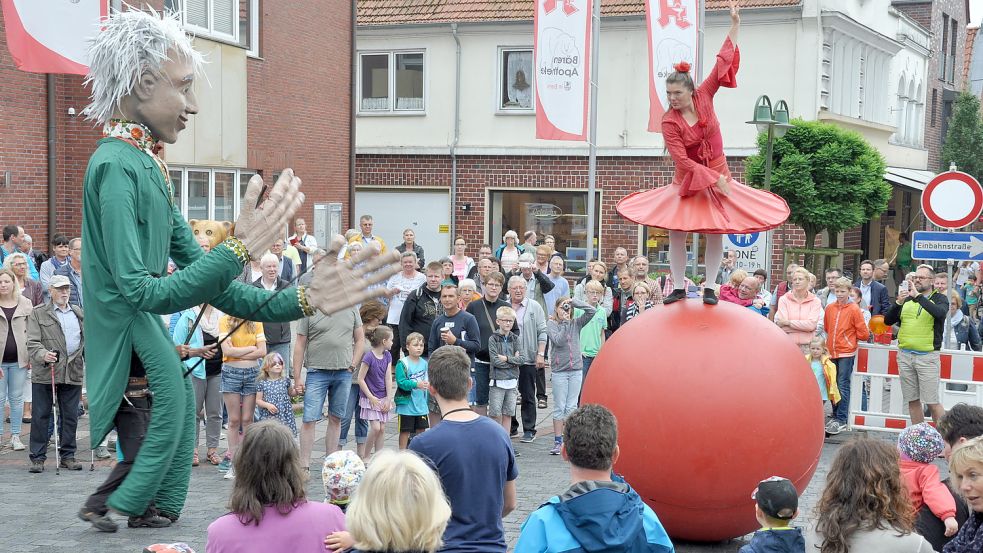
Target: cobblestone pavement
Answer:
pixel 39 510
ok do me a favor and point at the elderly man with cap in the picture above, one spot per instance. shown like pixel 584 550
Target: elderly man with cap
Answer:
pixel 55 344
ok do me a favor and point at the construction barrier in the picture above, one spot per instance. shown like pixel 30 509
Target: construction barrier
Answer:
pixel 886 409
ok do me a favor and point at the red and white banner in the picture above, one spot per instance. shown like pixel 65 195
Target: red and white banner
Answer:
pixel 52 36
pixel 673 36
pixel 562 54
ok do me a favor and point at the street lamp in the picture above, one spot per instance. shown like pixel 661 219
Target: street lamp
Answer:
pixel 774 122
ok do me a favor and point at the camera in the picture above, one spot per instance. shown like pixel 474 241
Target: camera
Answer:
pixel 565 307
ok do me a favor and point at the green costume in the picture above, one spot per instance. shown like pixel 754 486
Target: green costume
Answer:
pixel 130 227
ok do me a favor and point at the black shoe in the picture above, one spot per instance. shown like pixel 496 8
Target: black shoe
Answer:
pixel 528 437
pixel 100 522
pixel 36 467
pixel 150 519
pixel 675 295
pixel 70 463
pixel 169 516
pixel 709 296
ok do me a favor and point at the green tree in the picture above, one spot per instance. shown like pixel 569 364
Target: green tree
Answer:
pixel 832 178
pixel 964 139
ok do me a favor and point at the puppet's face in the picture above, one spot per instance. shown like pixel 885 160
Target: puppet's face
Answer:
pixel 163 101
pixel 213 231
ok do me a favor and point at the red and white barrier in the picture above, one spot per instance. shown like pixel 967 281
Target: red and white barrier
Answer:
pixel 886 409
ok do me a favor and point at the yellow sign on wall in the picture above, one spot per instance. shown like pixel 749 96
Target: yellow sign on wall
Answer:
pixel 444 229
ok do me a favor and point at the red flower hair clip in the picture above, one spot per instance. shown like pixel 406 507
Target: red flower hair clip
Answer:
pixel 682 67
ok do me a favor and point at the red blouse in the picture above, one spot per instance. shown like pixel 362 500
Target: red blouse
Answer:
pixel 693 147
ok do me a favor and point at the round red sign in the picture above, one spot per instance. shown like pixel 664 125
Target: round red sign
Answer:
pixel 952 200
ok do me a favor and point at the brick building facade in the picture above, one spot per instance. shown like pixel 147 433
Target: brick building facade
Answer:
pixel 286 126
pixel 947 21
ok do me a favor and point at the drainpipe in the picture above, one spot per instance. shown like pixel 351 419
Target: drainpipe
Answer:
pixel 457 131
pixel 52 158
pixel 351 124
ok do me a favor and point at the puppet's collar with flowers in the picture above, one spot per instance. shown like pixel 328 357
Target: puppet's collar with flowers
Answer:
pixel 134 133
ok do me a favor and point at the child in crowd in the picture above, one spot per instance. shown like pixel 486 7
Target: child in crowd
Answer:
pixel 503 351
pixel 375 380
pixel 972 293
pixel 341 474
pixel 412 390
pixel 592 335
pixel 918 446
pixel 857 297
pixel 824 370
pixel 845 329
pixel 777 503
pixel 273 393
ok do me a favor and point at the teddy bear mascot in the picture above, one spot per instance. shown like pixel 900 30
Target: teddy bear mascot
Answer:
pixel 142 72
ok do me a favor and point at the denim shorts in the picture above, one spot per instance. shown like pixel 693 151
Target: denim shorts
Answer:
pixel 331 385
pixel 237 380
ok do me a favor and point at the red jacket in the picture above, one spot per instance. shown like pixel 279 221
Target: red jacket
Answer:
pixel 729 293
pixel 845 327
pixel 925 488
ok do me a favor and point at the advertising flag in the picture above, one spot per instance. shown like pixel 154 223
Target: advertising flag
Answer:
pixel 673 36
pixel 51 36
pixel 562 50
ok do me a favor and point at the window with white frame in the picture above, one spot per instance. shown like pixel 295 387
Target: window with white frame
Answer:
pixel 204 193
pixel 234 21
pixel 391 82
pixel 515 76
pixel 854 74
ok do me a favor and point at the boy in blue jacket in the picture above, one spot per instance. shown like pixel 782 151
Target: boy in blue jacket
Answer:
pixel 582 518
pixel 777 504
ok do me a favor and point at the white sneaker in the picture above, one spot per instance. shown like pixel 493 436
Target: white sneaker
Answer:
pixel 230 475
pixel 16 444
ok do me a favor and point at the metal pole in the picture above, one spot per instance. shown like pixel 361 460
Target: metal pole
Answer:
pixel 768 233
pixel 592 131
pixel 698 59
pixel 52 160
pixel 947 343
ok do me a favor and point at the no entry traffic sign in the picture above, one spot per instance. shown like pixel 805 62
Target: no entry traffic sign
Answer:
pixel 952 200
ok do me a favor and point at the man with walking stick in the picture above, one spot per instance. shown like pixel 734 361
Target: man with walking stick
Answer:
pixel 55 342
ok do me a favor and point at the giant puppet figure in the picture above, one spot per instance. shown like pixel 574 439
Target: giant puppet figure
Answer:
pixel 702 197
pixel 142 73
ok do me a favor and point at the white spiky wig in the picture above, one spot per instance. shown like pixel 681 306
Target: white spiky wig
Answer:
pixel 131 43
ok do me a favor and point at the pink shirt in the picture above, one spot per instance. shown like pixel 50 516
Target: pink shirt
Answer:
pixel 301 530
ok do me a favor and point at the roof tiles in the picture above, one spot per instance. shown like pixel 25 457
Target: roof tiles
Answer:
pixel 971 34
pixel 396 12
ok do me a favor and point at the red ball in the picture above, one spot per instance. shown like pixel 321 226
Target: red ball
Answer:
pixel 710 400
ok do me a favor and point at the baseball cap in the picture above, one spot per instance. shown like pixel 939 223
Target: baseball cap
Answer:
pixel 777 497
pixel 58 281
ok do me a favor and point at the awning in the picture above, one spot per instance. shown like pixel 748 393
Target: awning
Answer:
pixel 913 179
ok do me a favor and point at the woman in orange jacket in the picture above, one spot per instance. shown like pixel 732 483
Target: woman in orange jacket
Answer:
pixel 845 328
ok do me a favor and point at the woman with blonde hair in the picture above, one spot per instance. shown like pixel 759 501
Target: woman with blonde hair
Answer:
pixel 399 507
pixel 799 311
pixel 865 507
pixel 269 510
pixel 966 470
pixel 14 311
pixel 31 289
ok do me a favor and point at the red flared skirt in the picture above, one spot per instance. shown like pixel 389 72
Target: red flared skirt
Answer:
pixel 744 211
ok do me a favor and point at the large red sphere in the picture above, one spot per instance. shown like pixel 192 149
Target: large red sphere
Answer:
pixel 710 400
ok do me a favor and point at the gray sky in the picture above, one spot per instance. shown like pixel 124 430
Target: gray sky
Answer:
pixel 975 11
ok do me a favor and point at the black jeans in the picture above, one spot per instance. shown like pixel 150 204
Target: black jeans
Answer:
pixel 541 383
pixel 527 389
pixel 68 415
pixel 131 426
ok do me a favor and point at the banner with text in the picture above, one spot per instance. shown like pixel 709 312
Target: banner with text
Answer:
pixel 673 36
pixel 52 36
pixel 562 46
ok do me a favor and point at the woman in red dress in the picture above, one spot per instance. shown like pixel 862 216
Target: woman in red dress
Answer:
pixel 702 197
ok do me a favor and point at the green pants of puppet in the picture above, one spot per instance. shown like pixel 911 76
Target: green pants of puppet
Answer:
pixel 162 469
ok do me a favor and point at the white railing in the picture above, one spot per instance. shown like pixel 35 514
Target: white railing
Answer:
pixel 886 409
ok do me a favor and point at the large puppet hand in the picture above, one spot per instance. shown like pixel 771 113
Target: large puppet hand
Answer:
pixel 258 227
pixel 340 284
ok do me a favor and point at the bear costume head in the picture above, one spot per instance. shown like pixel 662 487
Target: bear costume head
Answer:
pixel 215 231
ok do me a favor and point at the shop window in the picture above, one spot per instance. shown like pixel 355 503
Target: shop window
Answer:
pixel 562 214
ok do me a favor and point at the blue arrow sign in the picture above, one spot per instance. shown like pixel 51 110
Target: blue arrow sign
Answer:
pixel 947 245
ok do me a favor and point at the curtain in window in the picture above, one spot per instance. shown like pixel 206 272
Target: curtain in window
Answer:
pixel 518 74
